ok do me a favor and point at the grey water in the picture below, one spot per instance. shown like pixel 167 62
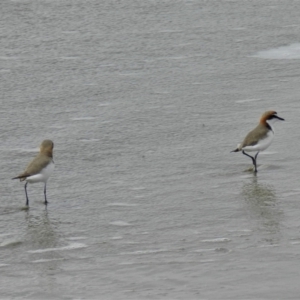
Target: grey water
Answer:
pixel 144 101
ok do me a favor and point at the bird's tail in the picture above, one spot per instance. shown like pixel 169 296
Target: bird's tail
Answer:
pixel 21 177
pixel 238 148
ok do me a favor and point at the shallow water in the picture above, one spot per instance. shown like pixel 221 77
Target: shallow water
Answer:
pixel 144 102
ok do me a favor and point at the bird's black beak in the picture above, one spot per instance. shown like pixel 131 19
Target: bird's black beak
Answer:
pixel 281 119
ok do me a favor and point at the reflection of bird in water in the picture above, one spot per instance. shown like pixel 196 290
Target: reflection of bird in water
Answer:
pixel 258 192
pixel 41 236
pixel 261 203
pixel 40 231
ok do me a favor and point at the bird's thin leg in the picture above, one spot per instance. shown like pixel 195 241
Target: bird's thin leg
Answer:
pixel 255 157
pixel 253 160
pixel 27 201
pixel 256 160
pixel 46 202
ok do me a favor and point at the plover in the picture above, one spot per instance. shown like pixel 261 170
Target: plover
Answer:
pixel 40 168
pixel 260 137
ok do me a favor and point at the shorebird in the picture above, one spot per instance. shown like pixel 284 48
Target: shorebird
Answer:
pixel 40 168
pixel 260 137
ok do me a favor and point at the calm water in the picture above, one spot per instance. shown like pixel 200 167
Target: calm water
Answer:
pixel 144 101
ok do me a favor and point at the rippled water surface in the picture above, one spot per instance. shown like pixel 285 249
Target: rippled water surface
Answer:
pixel 144 101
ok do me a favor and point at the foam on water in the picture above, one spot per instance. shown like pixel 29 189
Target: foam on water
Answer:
pixel 69 57
pixel 5 234
pixel 121 204
pixel 119 223
pixel 116 238
pixel 138 188
pixel 10 242
pixel 76 238
pixel 178 57
pixel 82 118
pixel 217 240
pixel 204 250
pixel 247 100
pixel 241 230
pixel 132 74
pixel 269 245
pixel 70 31
pixel 73 246
pixel 104 104
pixel 151 251
pixel 248 175
pixel 170 31
pixel 238 28
pixel 295 243
pixel 139 196
pixel 89 140
pixel 3 265
pixel 285 52
pixel 8 57
pixel 290 193
pixel 45 260
pixel 207 261
pixel 25 149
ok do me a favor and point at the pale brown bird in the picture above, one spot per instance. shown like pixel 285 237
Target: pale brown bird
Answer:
pixel 40 168
pixel 260 137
